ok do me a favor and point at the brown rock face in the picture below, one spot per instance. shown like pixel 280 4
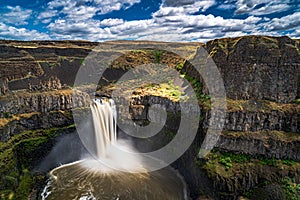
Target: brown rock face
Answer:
pixel 3 86
pixel 37 64
pixel 42 102
pixel 53 83
pixel 258 67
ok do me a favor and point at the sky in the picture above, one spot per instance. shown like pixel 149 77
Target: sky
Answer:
pixel 156 20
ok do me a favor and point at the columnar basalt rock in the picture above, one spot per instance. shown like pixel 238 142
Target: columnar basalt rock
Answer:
pixel 256 67
pixel 3 86
pixel 42 102
pixel 53 83
pixel 35 121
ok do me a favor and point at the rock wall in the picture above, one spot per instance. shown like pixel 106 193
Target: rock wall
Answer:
pixel 42 102
pixel 256 67
pixel 53 83
pixel 258 121
pixel 238 120
pixel 3 86
pixel 35 121
pixel 270 144
pixel 269 134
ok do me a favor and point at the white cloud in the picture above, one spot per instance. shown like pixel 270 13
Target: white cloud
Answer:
pixel 106 6
pixel 64 4
pixel 252 19
pixel 226 6
pixel 168 28
pixel 102 6
pixel 175 7
pixel 285 23
pixel 75 10
pixel 62 26
pixel 272 8
pixel 87 30
pixel 81 12
pixel 16 16
pixel 47 16
pixel 295 34
pixel 190 6
pixel 261 7
pixel 10 32
pixel 111 22
pixel 174 21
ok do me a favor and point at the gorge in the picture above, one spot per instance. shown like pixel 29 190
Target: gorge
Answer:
pixel 256 156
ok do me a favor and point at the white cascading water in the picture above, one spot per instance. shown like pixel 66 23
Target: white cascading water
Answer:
pixel 111 178
pixel 109 150
pixel 105 126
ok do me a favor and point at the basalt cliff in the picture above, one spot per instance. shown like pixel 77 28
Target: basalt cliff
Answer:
pixel 257 155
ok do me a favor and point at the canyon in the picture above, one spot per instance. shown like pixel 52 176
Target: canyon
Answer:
pixel 257 155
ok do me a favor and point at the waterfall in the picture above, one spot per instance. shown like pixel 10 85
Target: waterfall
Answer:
pixel 113 154
pixel 105 126
pixel 118 173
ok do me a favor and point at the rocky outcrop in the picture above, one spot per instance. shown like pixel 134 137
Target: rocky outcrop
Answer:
pixel 28 63
pixel 53 83
pixel 42 102
pixel 256 67
pixel 270 144
pixel 247 176
pixel 36 121
pixel 236 120
pixel 269 131
pixel 3 86
pixel 258 121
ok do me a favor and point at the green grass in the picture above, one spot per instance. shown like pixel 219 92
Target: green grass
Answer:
pixel 203 99
pixel 7 115
pixel 297 101
pixel 158 54
pixel 269 161
pixel 81 60
pixel 291 188
pixel 229 160
pixel 179 66
pixel 226 162
pixel 168 90
pixel 16 157
pixel 26 183
pixel 26 148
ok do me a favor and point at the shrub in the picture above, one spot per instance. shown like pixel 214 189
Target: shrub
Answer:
pixel 291 189
pixel 226 162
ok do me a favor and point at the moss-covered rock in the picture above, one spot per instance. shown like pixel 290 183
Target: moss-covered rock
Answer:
pixel 236 175
pixel 19 156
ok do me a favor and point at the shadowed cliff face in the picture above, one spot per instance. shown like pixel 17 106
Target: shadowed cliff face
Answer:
pixel 27 64
pixel 261 77
pixel 258 67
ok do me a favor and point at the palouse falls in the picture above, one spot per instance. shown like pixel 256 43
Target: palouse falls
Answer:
pixel 92 179
pixel 149 100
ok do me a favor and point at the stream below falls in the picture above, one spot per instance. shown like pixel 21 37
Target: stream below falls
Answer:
pixel 83 180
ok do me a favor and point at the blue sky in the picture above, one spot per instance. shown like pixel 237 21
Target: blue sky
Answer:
pixel 159 20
